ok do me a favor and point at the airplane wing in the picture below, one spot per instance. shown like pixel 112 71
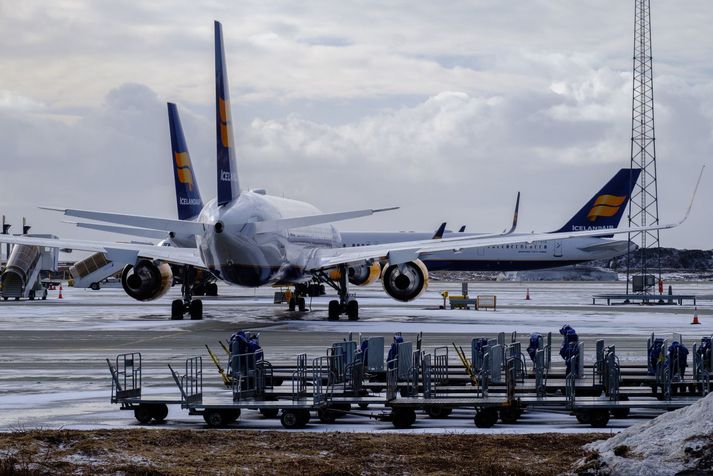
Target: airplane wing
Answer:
pixel 128 251
pixel 124 230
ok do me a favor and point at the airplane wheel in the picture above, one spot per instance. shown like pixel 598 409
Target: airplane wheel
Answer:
pixel 333 314
pixel 94 287
pixel 292 304
pixel 211 289
pixel 301 305
pixel 353 310
pixel 177 310
pixel 196 310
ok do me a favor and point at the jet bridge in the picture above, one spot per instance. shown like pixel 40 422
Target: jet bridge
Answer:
pixel 21 277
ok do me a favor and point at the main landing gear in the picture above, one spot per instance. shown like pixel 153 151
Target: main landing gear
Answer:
pixel 187 305
pixel 345 304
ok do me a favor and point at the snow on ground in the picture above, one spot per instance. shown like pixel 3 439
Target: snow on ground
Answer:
pixel 665 445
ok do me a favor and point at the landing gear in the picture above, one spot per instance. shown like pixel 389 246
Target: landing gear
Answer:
pixel 194 308
pixel 345 305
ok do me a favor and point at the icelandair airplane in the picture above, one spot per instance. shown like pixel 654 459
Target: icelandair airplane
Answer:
pixel 249 238
pixel 603 211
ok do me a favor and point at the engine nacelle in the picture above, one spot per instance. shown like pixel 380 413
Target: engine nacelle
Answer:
pixel 364 273
pixel 146 280
pixel 407 283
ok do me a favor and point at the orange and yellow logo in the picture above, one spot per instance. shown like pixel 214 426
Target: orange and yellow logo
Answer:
pixel 606 206
pixel 225 127
pixel 183 169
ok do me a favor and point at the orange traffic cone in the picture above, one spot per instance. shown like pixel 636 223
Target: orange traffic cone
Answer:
pixel 695 316
pixel 60 292
pixel 527 294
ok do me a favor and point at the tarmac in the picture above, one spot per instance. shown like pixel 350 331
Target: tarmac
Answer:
pixel 53 371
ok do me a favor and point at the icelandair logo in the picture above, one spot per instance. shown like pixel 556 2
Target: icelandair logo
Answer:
pixel 189 201
pixel 226 176
pixel 183 169
pixel 606 206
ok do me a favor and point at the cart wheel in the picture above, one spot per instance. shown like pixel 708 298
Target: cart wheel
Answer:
pixel 231 416
pixel 269 412
pixel 159 412
pixel 326 415
pixel 434 411
pixel 583 417
pixel 143 414
pixel 485 418
pixel 403 418
pixel 304 417
pixel 290 419
pixel 509 414
pixel 600 418
pixel 214 418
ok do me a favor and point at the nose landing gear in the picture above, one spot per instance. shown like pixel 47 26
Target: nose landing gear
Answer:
pixel 187 305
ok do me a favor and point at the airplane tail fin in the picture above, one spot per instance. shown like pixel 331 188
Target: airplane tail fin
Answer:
pixel 188 197
pixel 228 184
pixel 605 209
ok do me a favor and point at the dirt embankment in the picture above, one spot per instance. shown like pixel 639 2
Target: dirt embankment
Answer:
pixel 188 452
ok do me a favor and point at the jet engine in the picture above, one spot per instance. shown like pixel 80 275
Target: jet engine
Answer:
pixel 146 280
pixel 364 273
pixel 405 282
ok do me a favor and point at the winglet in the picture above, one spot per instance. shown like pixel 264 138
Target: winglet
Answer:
pixel 228 183
pixel 693 195
pixel 515 215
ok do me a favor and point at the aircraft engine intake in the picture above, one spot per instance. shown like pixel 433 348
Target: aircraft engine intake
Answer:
pixel 364 273
pixel 405 282
pixel 146 280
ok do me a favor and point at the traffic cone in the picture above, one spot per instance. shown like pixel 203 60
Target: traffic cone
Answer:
pixel 527 294
pixel 695 316
pixel 60 292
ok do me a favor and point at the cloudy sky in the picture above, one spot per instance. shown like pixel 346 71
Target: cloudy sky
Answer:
pixel 444 111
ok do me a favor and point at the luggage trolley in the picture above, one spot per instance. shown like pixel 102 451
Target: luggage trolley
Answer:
pixel 253 392
pixel 126 377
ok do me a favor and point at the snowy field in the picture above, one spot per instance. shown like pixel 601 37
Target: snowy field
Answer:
pixel 53 373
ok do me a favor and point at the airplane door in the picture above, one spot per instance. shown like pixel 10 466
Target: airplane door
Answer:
pixel 558 248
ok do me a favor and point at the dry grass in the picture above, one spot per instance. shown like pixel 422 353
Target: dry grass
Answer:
pixel 188 452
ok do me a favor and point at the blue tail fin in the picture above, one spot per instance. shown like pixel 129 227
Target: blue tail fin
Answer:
pixel 606 208
pixel 228 184
pixel 188 197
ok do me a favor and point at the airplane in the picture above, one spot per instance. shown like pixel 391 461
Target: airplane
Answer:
pixel 249 238
pixel 603 211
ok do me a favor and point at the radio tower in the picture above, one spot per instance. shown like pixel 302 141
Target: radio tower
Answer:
pixel 644 205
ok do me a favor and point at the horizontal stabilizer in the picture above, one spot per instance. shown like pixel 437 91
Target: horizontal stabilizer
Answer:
pixel 165 224
pixel 124 230
pixel 297 222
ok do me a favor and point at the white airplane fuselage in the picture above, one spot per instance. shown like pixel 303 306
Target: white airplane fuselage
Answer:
pixel 513 257
pixel 240 257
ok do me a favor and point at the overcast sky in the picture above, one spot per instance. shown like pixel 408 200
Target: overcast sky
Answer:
pixel 444 109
